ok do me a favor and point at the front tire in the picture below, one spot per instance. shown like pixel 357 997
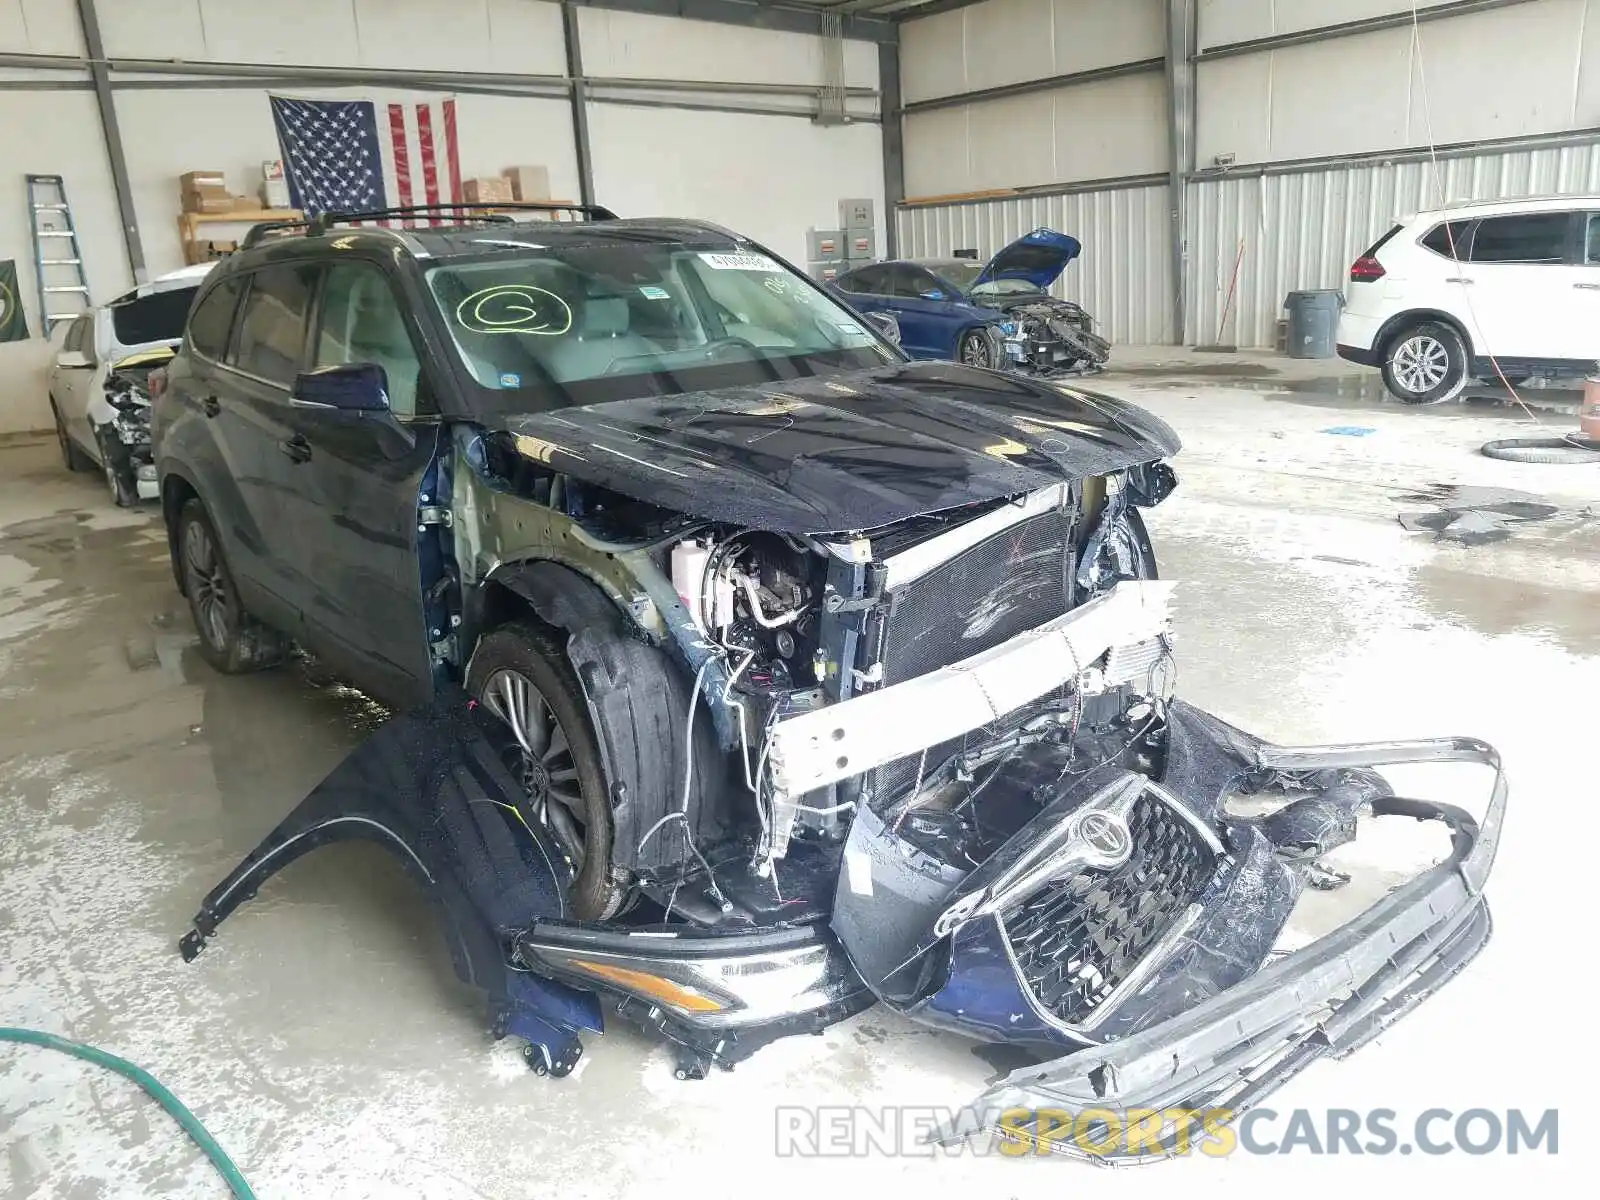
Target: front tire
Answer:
pixel 118 471
pixel 973 349
pixel 231 640
pixel 1425 364
pixel 520 673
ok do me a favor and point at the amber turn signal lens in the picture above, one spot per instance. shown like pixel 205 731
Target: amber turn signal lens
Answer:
pixel 653 986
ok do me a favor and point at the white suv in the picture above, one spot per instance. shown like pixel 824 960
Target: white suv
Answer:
pixel 1478 291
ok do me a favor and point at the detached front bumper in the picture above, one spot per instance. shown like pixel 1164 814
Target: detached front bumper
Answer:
pixel 1327 999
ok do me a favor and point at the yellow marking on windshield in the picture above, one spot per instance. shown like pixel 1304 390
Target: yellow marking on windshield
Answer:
pixel 515 308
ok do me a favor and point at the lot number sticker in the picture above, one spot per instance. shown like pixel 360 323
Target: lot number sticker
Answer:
pixel 740 262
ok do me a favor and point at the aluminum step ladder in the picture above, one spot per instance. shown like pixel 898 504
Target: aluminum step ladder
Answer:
pixel 57 258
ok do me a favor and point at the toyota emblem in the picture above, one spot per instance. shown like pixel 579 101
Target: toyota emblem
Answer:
pixel 1106 834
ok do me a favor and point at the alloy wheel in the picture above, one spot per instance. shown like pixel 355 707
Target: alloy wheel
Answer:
pixel 545 764
pixel 1421 363
pixel 208 585
pixel 973 351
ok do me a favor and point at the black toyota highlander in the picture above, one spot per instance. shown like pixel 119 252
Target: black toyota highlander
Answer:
pixel 748 674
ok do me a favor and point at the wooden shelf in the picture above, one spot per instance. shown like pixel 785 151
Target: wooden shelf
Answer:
pixel 189 224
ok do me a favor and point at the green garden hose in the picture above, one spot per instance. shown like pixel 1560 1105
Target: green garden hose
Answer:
pixel 175 1108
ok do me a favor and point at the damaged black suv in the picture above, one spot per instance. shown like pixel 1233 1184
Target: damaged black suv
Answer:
pixel 754 674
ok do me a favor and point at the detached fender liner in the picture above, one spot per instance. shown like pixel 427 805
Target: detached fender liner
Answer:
pixel 430 788
pixel 638 701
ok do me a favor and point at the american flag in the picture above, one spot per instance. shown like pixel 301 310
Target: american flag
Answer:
pixel 359 155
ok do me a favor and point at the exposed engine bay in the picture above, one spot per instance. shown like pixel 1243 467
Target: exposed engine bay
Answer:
pixel 1051 337
pixel 121 423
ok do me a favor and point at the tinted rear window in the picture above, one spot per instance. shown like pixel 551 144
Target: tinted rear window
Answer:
pixel 157 318
pixel 213 319
pixel 1530 238
pixel 1452 239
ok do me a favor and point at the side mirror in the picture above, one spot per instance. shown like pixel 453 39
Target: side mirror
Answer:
pixel 73 360
pixel 885 323
pixel 355 387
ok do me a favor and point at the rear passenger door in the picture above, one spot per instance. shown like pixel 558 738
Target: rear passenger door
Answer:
pixel 1584 324
pixel 255 422
pixel 1518 293
pixel 928 318
pixel 359 478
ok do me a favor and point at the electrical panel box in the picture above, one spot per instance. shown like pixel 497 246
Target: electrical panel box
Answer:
pixel 856 214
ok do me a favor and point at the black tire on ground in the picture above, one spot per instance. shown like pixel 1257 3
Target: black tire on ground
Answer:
pixel 118 470
pixel 1549 451
pixel 535 653
pixel 231 640
pixel 73 458
pixel 1425 363
pixel 973 349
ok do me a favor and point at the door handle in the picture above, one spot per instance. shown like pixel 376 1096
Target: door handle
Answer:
pixel 1588 287
pixel 1462 279
pixel 210 406
pixel 296 448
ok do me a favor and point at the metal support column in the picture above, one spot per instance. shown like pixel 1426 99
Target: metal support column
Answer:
pixel 894 156
pixel 100 76
pixel 579 99
pixel 1181 26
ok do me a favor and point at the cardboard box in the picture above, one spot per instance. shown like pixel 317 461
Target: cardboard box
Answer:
pixel 860 245
pixel 824 272
pixel 528 183
pixel 208 201
pixel 195 181
pixel 487 191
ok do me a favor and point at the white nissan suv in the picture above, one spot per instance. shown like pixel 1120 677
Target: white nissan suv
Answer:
pixel 1507 289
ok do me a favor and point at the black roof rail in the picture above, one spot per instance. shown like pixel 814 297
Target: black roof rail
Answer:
pixel 493 211
pixel 259 232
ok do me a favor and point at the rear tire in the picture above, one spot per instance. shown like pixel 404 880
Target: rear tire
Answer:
pixel 231 640
pixel 1425 364
pixel 73 458
pixel 528 659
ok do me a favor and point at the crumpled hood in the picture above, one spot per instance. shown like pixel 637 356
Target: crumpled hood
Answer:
pixel 854 451
pixel 1038 258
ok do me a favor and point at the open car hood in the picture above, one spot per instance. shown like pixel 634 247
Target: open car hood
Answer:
pixel 856 451
pixel 1038 258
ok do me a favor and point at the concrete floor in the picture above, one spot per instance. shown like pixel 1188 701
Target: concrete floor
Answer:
pixel 323 1039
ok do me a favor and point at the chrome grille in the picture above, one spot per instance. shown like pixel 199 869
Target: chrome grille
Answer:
pixel 1077 940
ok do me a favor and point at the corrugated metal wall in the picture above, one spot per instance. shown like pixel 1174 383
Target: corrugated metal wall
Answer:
pixel 1302 230
pixel 1124 276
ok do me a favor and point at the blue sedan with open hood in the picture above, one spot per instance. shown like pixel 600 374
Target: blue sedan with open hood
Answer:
pixel 994 314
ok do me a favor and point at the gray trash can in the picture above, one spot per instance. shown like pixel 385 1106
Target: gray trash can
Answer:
pixel 1314 323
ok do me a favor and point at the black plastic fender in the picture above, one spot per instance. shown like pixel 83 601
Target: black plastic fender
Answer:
pixel 638 699
pixel 430 788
